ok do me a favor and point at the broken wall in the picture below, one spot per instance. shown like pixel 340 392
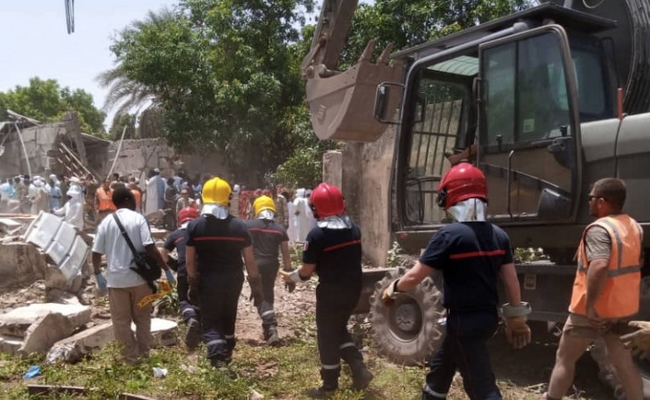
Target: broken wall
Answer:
pixel 39 141
pixel 364 172
pixel 138 156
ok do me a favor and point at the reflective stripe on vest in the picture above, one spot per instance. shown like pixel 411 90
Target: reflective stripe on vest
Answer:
pixel 620 295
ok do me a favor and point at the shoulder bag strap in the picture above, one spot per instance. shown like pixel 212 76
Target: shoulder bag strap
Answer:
pixel 124 234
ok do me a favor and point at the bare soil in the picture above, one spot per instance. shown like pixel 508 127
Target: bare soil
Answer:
pixel 527 370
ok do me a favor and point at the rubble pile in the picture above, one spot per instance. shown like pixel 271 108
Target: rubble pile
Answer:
pixel 46 305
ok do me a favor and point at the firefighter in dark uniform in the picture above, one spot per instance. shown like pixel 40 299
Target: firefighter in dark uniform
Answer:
pixel 177 240
pixel 218 240
pixel 472 254
pixel 268 237
pixel 333 251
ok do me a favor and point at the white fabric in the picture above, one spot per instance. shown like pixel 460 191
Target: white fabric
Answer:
pixel 151 196
pixel 468 210
pixel 291 231
pixel 304 221
pixel 119 258
pixel 266 214
pixel 335 222
pixel 219 211
pixel 72 211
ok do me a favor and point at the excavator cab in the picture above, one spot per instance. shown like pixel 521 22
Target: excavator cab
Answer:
pixel 518 88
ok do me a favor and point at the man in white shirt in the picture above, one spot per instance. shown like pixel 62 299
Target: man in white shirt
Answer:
pixel 72 210
pixel 125 287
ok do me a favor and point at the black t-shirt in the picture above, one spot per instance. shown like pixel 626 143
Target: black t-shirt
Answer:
pixel 336 253
pixel 177 240
pixel 219 243
pixel 469 254
pixel 267 236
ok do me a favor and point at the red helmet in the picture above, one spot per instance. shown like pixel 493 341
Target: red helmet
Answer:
pixel 463 181
pixel 187 214
pixel 326 201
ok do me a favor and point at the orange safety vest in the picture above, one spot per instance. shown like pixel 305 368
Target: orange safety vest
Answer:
pixel 620 296
pixel 105 200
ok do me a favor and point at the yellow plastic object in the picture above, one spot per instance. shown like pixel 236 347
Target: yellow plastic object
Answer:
pixel 263 203
pixel 163 289
pixel 216 191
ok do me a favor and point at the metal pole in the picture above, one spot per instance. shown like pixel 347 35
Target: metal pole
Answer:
pixel 22 142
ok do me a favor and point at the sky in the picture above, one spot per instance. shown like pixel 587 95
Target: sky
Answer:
pixel 36 41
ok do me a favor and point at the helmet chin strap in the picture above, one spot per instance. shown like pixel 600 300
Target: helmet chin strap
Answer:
pixel 468 210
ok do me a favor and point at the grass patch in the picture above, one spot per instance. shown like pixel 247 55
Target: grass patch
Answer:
pixel 286 372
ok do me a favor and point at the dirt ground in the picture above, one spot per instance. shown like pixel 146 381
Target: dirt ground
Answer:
pixel 528 370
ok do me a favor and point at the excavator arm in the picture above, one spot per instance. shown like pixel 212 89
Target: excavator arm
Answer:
pixel 340 102
pixel 329 38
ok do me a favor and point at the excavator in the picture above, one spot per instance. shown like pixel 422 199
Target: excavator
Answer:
pixel 552 98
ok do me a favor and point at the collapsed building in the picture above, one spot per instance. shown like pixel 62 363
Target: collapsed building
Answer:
pixel 30 147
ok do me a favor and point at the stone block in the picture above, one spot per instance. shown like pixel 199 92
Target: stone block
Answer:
pixel 10 344
pixel 20 264
pixel 163 332
pixel 16 322
pixel 73 348
pixel 44 332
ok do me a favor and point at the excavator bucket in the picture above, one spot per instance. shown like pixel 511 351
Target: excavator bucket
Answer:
pixel 342 105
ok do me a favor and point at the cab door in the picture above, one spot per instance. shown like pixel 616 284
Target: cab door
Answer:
pixel 529 132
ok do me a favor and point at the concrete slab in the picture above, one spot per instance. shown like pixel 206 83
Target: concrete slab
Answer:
pixel 163 332
pixel 44 332
pixel 73 348
pixel 17 321
pixel 10 344
pixel 20 264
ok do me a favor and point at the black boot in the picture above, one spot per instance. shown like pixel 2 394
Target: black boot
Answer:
pixel 193 335
pixel 273 339
pixel 361 376
pixel 330 379
pixel 322 392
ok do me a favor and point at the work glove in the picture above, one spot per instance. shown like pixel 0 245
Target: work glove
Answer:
pixel 101 281
pixel 517 332
pixel 170 277
pixel 257 295
pixel 390 294
pixel 639 340
pixel 193 291
pixel 289 286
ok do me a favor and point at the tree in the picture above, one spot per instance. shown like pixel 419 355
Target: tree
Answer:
pixel 121 121
pixel 226 74
pixel 46 100
pixel 407 23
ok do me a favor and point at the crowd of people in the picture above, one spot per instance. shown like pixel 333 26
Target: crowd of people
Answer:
pixel 220 233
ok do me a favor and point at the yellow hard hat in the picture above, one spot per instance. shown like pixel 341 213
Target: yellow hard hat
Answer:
pixel 216 191
pixel 263 203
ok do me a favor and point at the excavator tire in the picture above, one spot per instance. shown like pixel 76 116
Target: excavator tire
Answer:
pixel 410 331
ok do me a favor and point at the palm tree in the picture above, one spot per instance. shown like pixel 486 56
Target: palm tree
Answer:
pixel 125 93
pixel 128 95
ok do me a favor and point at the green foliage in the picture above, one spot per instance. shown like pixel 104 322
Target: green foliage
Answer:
pixel 412 22
pixel 392 260
pixel 226 75
pixel 121 121
pixel 46 100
